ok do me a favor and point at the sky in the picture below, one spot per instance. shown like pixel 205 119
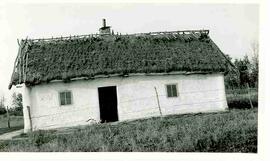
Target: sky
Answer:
pixel 233 27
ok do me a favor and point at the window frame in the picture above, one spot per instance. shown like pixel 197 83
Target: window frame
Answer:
pixel 71 97
pixel 171 84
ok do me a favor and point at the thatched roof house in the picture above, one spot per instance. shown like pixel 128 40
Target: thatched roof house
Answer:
pixel 106 56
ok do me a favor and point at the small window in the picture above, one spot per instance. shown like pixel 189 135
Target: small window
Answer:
pixel 171 90
pixel 65 98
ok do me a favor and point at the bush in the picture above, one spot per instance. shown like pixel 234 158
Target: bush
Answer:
pixel 242 103
pixel 239 98
pixel 3 111
pixel 40 137
pixel 16 113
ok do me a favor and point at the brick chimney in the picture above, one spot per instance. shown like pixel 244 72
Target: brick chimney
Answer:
pixel 104 30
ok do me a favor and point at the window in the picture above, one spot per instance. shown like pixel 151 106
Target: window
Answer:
pixel 65 98
pixel 171 90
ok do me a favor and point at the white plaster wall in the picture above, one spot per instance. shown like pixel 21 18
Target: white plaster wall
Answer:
pixel 26 102
pixel 136 98
pixel 196 93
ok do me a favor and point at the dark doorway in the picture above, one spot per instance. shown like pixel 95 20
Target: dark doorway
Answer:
pixel 108 104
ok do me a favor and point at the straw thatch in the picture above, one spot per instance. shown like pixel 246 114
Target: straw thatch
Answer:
pixel 89 56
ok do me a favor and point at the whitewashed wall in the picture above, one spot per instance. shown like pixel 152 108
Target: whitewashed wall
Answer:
pixel 136 98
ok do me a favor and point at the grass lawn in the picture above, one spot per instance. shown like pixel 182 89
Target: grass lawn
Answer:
pixel 16 123
pixel 231 131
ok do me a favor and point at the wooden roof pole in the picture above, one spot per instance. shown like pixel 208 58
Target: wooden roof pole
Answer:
pixel 136 34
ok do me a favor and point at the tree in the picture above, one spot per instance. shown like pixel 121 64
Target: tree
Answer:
pixel 254 64
pixel 248 70
pixel 232 77
pixel 2 105
pixel 17 104
pixel 243 66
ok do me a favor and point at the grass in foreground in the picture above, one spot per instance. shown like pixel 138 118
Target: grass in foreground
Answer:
pixel 16 123
pixel 232 131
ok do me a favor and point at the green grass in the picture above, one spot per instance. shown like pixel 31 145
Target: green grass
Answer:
pixel 231 131
pixel 16 123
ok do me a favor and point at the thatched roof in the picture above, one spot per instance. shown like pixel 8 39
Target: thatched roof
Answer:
pixel 93 55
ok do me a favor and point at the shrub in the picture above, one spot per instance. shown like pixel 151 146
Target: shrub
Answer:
pixel 239 98
pixel 3 111
pixel 16 113
pixel 40 137
pixel 242 103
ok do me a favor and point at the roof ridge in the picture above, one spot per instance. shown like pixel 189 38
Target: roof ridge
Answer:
pixel 178 32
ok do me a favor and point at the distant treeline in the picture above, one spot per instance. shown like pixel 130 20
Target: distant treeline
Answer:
pixel 16 107
pixel 244 74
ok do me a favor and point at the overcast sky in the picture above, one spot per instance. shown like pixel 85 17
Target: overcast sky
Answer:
pixel 232 27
